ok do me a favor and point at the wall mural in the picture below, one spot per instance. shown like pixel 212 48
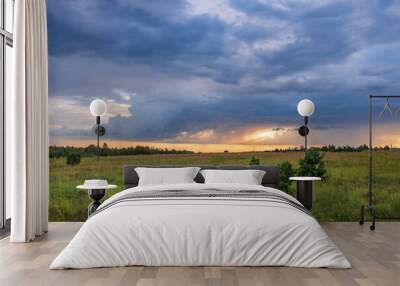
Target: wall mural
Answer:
pixel 218 82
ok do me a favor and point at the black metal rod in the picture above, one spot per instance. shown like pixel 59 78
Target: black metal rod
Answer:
pixel 98 144
pixel 370 153
pixel 305 137
pixel 98 137
pixel 384 96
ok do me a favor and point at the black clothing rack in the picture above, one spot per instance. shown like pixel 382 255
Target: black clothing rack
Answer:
pixel 370 206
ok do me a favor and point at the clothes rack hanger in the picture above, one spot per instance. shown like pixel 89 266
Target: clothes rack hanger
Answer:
pixel 369 206
pixel 386 107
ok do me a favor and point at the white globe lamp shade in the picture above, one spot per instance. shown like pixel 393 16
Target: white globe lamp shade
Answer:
pixel 98 107
pixel 305 107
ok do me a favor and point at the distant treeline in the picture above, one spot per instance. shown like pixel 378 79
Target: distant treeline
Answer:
pixel 91 150
pixel 333 148
pixel 346 148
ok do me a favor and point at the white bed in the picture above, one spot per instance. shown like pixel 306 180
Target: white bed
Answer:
pixel 202 231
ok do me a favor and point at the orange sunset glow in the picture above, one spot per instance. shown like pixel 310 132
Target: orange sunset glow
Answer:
pixel 203 148
pixel 207 141
pixel 249 139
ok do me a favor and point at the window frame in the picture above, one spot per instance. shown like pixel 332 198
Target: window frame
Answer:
pixel 6 39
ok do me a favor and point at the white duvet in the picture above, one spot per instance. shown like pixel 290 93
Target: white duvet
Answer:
pixel 200 231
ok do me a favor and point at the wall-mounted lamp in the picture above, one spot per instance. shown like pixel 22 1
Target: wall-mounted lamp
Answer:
pixel 305 108
pixel 98 108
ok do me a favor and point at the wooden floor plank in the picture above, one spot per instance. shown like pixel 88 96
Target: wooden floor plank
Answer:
pixel 375 257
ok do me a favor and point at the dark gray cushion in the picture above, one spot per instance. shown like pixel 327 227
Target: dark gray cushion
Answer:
pixel 270 179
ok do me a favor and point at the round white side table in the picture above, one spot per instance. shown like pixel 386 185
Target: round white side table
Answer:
pixel 96 190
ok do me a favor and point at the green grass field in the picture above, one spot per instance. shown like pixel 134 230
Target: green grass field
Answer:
pixel 338 198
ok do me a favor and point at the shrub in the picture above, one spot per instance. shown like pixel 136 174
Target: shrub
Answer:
pixel 286 171
pixel 312 165
pixel 254 161
pixel 73 159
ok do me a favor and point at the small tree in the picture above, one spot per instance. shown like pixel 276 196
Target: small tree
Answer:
pixel 254 161
pixel 73 159
pixel 90 150
pixel 105 150
pixel 312 165
pixel 286 171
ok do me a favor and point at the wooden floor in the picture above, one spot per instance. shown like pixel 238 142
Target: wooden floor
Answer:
pixel 375 257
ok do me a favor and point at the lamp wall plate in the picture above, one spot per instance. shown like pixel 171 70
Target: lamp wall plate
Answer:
pixel 100 130
pixel 304 130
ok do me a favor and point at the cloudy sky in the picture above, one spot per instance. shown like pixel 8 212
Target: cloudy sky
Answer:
pixel 222 74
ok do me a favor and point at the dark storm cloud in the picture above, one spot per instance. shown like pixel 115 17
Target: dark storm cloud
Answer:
pixel 167 119
pixel 128 31
pixel 243 63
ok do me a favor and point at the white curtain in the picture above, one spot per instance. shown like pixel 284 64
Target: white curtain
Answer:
pixel 27 153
